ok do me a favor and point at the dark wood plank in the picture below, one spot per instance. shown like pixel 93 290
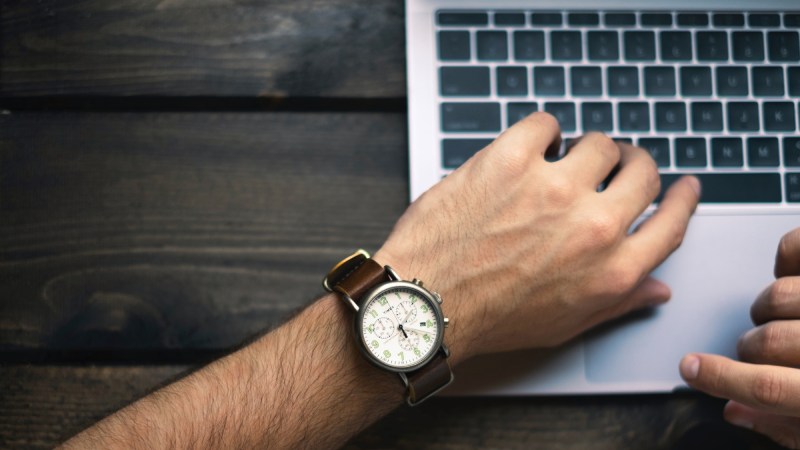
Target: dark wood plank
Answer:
pixel 183 231
pixel 233 48
pixel 40 405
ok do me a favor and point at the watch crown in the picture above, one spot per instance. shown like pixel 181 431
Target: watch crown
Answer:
pixel 437 297
pixel 446 322
pixel 417 282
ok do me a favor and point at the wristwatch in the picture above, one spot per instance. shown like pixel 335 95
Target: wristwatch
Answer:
pixel 399 325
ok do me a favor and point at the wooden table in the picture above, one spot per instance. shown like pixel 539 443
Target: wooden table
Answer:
pixel 171 174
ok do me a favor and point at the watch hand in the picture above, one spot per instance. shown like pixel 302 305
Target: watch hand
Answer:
pixel 402 330
pixel 419 330
pixel 408 314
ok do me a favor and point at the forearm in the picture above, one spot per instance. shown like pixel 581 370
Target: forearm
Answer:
pixel 302 385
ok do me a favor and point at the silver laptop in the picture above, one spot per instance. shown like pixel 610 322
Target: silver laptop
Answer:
pixel 709 87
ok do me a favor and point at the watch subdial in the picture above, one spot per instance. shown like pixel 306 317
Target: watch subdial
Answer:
pixel 405 312
pixel 408 343
pixel 384 328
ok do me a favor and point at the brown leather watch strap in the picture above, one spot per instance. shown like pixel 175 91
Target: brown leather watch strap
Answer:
pixel 429 379
pixel 361 279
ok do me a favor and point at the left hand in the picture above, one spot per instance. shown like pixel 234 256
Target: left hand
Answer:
pixel 764 388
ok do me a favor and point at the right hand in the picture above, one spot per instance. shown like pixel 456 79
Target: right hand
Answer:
pixel 526 253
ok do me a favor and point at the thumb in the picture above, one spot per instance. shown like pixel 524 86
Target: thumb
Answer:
pixel 650 292
pixel 784 430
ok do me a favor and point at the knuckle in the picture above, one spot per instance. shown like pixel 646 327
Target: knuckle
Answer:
pixel 603 145
pixel 604 228
pixel 560 192
pixel 621 278
pixel 782 292
pixel 770 340
pixel 768 389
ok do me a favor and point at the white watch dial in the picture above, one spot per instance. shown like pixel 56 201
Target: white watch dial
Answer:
pixel 399 327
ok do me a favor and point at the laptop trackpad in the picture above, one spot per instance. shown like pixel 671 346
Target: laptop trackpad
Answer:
pixel 725 261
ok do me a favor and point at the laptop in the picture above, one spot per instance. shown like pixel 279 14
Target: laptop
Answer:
pixel 709 88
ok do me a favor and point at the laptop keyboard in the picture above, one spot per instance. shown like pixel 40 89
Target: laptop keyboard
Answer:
pixel 714 94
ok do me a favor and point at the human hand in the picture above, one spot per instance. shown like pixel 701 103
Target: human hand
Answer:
pixel 764 388
pixel 526 253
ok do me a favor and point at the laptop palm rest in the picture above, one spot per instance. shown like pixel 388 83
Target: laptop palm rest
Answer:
pixel 725 261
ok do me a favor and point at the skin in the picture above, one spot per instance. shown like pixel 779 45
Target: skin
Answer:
pixel 764 385
pixel 526 253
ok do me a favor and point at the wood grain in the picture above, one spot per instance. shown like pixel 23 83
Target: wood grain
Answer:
pixel 183 231
pixel 39 406
pixel 216 48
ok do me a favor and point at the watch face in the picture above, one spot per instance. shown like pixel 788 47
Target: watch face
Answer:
pixel 400 326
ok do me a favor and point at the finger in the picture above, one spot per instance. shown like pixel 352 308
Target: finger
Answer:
pixel 776 342
pixel 591 159
pixel 650 292
pixel 657 237
pixel 530 138
pixel 787 261
pixel 635 185
pixel 772 389
pixel 780 300
pixel 784 430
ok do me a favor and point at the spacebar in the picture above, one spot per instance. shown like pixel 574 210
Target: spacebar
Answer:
pixel 733 187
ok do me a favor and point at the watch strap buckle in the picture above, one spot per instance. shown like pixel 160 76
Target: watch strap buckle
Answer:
pixel 344 268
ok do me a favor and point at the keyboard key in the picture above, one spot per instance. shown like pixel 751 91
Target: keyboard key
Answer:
pixel 603 45
pixel 743 116
pixel 518 111
pixel 564 112
pixel 792 187
pixel 470 117
pixel 464 81
pixel 624 81
pixel 764 20
pixel 658 149
pixel 762 152
pixel 733 187
pixel 456 152
pixel 690 152
pixel 597 116
pixel 791 20
pixel 696 81
pixel 791 151
pixel 659 81
pixel 640 46
pixel 620 19
pixel 566 45
pixel 512 81
pixel 783 46
pixel 656 19
pixel 767 81
pixel 546 19
pixel 676 45
pixel 728 20
pixel 727 152
pixel 633 116
pixel 732 81
pixel 509 19
pixel 670 116
pixel 712 45
pixel 693 19
pixel 707 116
pixel 748 46
pixel 779 116
pixel 794 81
pixel 622 140
pixel 583 19
pixel 586 81
pixel 548 81
pixel 529 45
pixel 454 46
pixel 461 18
pixel 492 45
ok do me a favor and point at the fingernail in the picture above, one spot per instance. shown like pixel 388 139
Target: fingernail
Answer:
pixel 740 422
pixel 695 185
pixel 690 367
